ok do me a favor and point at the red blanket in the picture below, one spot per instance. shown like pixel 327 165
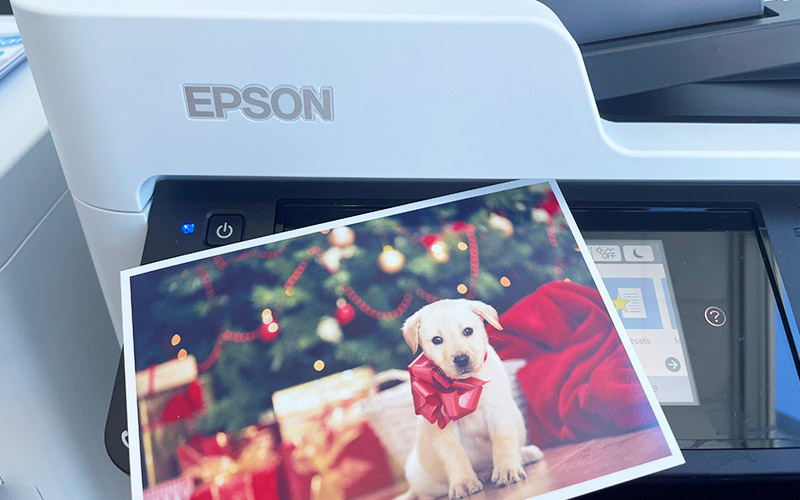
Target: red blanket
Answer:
pixel 578 380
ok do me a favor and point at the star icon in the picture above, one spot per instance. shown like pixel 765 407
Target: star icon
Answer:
pixel 621 304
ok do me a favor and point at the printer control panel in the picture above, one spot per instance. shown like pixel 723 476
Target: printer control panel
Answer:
pixel 706 275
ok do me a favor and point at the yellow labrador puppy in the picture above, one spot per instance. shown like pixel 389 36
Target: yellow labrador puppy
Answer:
pixel 443 462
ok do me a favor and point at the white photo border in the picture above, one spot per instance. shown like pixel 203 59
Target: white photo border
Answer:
pixel 582 488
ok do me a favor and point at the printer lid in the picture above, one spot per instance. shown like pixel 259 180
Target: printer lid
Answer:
pixel 445 89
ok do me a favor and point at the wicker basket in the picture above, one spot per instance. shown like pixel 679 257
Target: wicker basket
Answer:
pixel 390 412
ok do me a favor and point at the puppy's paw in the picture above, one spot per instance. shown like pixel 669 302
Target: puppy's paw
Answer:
pixel 503 475
pixel 465 487
pixel 531 454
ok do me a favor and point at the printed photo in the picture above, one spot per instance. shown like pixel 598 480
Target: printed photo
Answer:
pixel 462 347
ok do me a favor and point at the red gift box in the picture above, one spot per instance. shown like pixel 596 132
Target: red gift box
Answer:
pixel 170 396
pixel 261 485
pixel 361 467
pixel 242 467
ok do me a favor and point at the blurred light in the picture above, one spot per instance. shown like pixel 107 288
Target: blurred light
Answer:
pixel 176 339
pixel 326 231
pixel 272 328
pixel 462 288
pixel 437 248
pixel 505 282
pixel 187 228
pixel 462 246
pixel 290 291
pixel 182 354
pixel 319 365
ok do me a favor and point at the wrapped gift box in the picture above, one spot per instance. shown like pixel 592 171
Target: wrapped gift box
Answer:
pixel 242 467
pixel 260 485
pixel 329 450
pixel 170 396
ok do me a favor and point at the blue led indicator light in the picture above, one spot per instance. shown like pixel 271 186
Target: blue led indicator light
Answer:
pixel 187 228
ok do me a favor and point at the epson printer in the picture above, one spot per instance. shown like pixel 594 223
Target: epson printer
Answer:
pixel 681 127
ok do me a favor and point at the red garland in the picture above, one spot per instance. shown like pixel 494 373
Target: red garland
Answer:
pixel 427 297
pixel 551 233
pixel 205 277
pixel 474 262
pixel 226 336
pixel 362 305
pixel 299 270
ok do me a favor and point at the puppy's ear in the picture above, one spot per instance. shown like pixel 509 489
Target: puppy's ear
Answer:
pixel 411 331
pixel 486 312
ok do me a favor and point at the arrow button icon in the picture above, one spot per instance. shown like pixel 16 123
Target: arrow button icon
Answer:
pixel 673 364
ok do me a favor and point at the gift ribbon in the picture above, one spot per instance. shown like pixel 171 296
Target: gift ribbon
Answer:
pixel 439 398
pixel 320 453
pixel 219 471
pixel 185 404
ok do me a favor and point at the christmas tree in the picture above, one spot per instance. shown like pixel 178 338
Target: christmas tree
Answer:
pixel 292 311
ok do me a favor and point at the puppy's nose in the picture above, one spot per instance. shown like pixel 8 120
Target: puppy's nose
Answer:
pixel 461 361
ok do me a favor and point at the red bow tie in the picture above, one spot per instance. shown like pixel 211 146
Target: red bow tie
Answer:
pixel 439 398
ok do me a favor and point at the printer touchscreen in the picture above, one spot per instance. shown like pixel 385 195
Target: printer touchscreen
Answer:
pixel 637 277
pixel 698 298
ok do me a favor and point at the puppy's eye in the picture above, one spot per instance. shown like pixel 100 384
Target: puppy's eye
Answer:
pixel 467 332
pixel 437 340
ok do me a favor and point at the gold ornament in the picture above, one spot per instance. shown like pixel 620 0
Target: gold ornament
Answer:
pixel 390 260
pixel 540 215
pixel 342 237
pixel 331 259
pixel 439 251
pixel 502 224
pixel 329 330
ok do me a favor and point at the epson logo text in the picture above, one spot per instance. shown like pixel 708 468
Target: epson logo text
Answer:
pixel 284 102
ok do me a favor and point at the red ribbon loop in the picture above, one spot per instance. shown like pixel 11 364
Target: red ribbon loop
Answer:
pixel 437 397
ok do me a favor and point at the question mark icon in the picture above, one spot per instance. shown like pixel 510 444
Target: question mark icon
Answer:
pixel 715 316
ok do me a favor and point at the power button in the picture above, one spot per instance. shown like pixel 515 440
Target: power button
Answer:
pixel 224 229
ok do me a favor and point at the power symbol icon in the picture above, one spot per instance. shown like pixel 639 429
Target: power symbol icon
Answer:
pixel 224 231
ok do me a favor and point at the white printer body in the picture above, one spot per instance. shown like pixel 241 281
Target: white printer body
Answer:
pixel 420 89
